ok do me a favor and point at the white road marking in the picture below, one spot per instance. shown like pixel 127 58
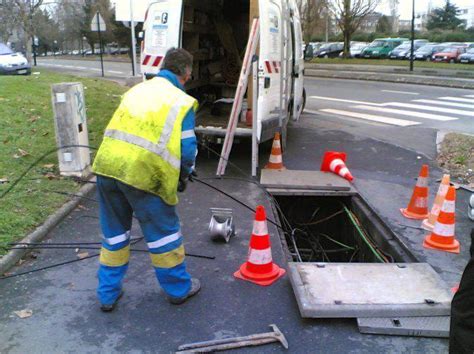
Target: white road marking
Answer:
pixel 114 72
pixel 69 66
pixel 94 69
pixel 407 113
pixel 81 67
pixel 372 118
pixel 466 100
pixel 430 108
pixel 469 96
pixel 343 100
pixel 402 92
pixel 443 103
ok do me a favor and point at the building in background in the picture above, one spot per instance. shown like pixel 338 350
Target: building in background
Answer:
pixel 466 14
pixel 369 24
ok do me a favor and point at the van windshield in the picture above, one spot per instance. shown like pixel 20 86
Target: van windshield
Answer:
pixel 4 50
pixel 377 44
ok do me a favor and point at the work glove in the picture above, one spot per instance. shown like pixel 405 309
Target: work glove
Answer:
pixel 183 181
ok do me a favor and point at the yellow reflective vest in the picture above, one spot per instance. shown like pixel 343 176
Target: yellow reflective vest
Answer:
pixel 142 143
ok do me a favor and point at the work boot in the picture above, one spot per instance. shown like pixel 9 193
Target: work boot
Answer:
pixel 195 287
pixel 111 307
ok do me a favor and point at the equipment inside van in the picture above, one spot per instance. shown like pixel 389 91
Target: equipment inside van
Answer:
pixel 216 33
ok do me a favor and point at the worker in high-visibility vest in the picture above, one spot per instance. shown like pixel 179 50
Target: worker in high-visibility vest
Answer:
pixel 149 149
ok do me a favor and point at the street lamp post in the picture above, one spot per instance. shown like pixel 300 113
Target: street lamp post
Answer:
pixel 412 49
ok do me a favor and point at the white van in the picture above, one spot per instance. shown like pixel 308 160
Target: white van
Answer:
pixel 216 33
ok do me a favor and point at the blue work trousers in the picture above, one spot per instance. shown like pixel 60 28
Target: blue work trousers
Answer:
pixel 160 226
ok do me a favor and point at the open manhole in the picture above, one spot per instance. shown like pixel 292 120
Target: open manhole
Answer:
pixel 343 259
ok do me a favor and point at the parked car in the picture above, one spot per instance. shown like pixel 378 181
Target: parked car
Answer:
pixel 381 47
pixel 449 54
pixel 356 49
pixel 329 50
pixel 427 51
pixel 467 57
pixel 404 49
pixel 12 63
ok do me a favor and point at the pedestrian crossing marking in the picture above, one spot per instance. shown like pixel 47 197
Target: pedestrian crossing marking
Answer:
pixel 460 99
pixel 407 113
pixel 372 118
pixel 346 101
pixel 430 108
pixel 402 92
pixel 444 103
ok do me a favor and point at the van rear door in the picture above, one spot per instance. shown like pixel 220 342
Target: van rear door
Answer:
pixel 162 31
pixel 270 69
pixel 298 62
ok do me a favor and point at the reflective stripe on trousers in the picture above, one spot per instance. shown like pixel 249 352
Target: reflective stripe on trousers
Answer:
pixel 160 225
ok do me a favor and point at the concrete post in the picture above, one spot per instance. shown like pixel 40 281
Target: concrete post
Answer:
pixel 70 124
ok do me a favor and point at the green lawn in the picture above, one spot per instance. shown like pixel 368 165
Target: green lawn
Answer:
pixel 388 62
pixel 27 132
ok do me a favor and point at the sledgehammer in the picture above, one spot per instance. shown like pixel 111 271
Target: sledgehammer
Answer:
pixel 238 342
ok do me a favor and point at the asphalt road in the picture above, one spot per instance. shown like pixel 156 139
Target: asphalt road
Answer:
pixel 384 159
pixel 90 68
pixel 407 107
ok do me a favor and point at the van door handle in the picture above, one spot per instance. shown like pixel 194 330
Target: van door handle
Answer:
pixel 267 83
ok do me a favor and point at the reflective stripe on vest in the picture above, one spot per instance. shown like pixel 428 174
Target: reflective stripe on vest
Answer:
pixel 142 143
pixel 156 149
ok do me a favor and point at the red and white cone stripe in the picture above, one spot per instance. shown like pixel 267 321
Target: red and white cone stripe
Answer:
pixel 260 228
pixel 260 257
pixel 275 159
pixel 339 167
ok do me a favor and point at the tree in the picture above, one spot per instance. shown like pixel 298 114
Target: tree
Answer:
pixel 445 17
pixel 25 11
pixel 349 15
pixel 311 13
pixel 46 30
pixel 384 25
pixel 8 20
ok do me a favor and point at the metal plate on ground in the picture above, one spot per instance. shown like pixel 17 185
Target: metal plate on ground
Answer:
pixel 349 290
pixel 437 326
pixel 311 180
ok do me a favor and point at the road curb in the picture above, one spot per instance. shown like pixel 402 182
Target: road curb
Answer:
pixel 401 79
pixel 12 257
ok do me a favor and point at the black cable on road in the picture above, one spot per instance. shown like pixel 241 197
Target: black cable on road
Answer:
pixel 46 246
pixel 37 161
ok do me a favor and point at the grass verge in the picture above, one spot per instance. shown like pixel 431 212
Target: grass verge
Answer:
pixel 26 133
pixel 457 156
pixel 388 62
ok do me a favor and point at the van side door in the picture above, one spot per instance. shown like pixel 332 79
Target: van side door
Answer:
pixel 298 62
pixel 269 110
pixel 162 26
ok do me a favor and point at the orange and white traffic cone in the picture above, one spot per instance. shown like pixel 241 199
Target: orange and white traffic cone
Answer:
pixel 428 224
pixel 442 238
pixel 336 162
pixel 259 268
pixel 276 159
pixel 418 206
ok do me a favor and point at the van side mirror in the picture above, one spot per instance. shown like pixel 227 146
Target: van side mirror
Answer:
pixel 140 34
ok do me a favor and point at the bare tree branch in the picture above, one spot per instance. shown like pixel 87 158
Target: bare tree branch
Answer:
pixel 349 15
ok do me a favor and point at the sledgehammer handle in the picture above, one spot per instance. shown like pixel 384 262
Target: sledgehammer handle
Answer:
pixel 231 345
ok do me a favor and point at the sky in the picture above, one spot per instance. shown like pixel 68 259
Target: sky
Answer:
pixel 420 6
